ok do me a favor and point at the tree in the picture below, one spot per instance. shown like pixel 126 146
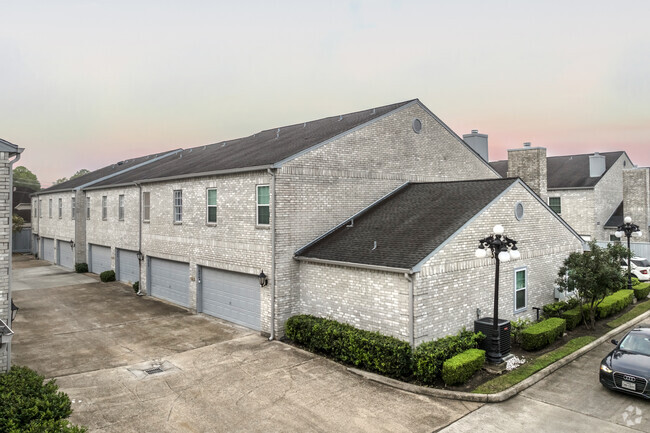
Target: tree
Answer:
pixel 24 177
pixel 593 275
pixel 74 176
pixel 17 223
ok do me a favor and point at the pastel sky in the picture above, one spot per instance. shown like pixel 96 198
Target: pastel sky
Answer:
pixel 84 84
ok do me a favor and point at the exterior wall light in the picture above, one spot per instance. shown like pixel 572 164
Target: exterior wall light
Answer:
pixel 71 243
pixel 263 279
pixel 140 256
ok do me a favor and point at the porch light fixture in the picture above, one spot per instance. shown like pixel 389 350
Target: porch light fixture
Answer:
pixel 263 279
pixel 14 310
pixel 628 230
pixel 140 256
pixel 502 249
pixel 71 243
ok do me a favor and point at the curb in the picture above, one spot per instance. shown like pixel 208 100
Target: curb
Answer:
pixel 508 393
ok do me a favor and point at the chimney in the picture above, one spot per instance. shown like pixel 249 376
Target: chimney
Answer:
pixel 636 202
pixel 597 165
pixel 529 164
pixel 478 142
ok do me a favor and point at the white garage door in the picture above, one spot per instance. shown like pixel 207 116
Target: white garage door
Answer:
pixel 66 256
pixel 231 296
pixel 100 258
pixel 47 249
pixel 127 266
pixel 169 280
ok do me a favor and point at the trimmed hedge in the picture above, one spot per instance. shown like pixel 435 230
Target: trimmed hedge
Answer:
pixel 30 405
pixel 429 357
pixel 81 268
pixel 367 350
pixel 458 370
pixel 614 303
pixel 542 333
pixel 572 317
pixel 107 276
pixel 641 291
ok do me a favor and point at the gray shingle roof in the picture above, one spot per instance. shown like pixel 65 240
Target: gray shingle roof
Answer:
pixel 570 171
pixel 617 217
pixel 258 150
pixel 408 225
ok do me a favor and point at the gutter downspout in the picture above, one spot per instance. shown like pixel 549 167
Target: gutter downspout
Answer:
pixel 139 238
pixel 11 235
pixel 411 329
pixel 272 336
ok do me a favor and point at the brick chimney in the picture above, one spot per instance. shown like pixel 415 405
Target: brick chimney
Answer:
pixel 529 164
pixel 478 142
pixel 636 187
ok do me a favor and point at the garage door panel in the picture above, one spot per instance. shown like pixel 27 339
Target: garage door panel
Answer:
pixel 47 247
pixel 66 255
pixel 169 280
pixel 100 258
pixel 128 266
pixel 231 296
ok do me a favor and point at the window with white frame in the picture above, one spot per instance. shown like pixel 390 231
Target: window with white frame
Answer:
pixel 120 208
pixel 521 289
pixel 211 212
pixel 104 208
pixel 50 208
pixel 555 203
pixel 87 208
pixel 73 207
pixel 146 206
pixel 60 208
pixel 178 206
pixel 263 205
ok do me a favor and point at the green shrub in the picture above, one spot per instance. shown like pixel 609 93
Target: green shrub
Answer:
pixel 429 357
pixel 573 318
pixel 635 281
pixel 136 286
pixel 516 328
pixel 460 368
pixel 107 276
pixel 543 333
pixel 641 291
pixel 30 405
pixel 614 303
pixel 367 350
pixel 81 268
pixel 555 309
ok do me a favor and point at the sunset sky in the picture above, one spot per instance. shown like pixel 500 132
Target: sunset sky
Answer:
pixel 84 84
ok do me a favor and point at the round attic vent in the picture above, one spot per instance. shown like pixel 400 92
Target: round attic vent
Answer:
pixel 417 126
pixel 519 211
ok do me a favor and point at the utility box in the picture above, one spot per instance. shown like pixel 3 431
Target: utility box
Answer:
pixel 485 325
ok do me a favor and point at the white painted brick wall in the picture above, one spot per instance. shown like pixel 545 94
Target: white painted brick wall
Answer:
pixel 5 237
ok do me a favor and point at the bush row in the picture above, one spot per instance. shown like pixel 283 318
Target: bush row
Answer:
pixel 375 352
pixel 543 333
pixel 641 291
pixel 614 303
pixel 460 368
pixel 573 318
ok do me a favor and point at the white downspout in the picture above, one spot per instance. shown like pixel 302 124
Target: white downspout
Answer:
pixel 272 336
pixel 411 330
pixel 139 238
pixel 11 235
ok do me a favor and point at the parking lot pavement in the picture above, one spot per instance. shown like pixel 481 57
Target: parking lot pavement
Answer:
pixel 97 340
pixel 571 399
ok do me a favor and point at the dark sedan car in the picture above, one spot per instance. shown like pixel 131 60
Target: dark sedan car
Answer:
pixel 627 367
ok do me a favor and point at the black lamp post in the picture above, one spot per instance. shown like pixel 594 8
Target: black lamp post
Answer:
pixel 502 249
pixel 628 229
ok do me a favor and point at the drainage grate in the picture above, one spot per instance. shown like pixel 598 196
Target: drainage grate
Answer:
pixel 153 370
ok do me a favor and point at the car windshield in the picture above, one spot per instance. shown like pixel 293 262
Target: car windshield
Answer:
pixel 644 263
pixel 638 343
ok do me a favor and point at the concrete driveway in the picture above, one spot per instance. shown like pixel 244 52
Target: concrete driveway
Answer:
pixel 97 340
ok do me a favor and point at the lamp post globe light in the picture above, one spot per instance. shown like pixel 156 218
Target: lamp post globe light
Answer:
pixel 502 249
pixel 628 230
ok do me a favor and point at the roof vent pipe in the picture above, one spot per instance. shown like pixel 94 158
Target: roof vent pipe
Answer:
pixel 527 144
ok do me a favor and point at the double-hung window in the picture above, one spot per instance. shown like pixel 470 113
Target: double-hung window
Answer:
pixel 50 208
pixel 104 208
pixel 263 206
pixel 211 211
pixel 521 289
pixel 87 208
pixel 555 203
pixel 73 206
pixel 60 208
pixel 120 208
pixel 178 206
pixel 146 206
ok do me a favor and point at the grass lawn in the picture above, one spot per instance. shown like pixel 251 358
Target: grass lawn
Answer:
pixel 513 377
pixel 634 312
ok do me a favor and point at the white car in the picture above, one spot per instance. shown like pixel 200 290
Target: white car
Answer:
pixel 640 268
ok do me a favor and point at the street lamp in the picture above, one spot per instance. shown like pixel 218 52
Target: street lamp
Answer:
pixel 502 249
pixel 628 229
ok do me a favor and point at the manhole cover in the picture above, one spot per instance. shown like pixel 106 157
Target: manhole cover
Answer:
pixel 153 370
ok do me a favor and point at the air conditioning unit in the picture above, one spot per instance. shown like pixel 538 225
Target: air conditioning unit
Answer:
pixel 485 325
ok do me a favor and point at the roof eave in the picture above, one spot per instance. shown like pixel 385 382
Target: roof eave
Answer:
pixel 355 265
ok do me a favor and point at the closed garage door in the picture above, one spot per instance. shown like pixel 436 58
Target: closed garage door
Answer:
pixel 170 281
pixel 100 258
pixel 231 296
pixel 66 256
pixel 47 249
pixel 128 267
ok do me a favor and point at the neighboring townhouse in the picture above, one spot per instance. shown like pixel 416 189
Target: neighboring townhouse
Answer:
pixel 9 154
pixel 405 266
pixel 585 190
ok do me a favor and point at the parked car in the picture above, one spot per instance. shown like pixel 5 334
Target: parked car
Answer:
pixel 627 367
pixel 640 268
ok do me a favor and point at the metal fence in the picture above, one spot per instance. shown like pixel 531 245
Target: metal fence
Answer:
pixel 639 249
